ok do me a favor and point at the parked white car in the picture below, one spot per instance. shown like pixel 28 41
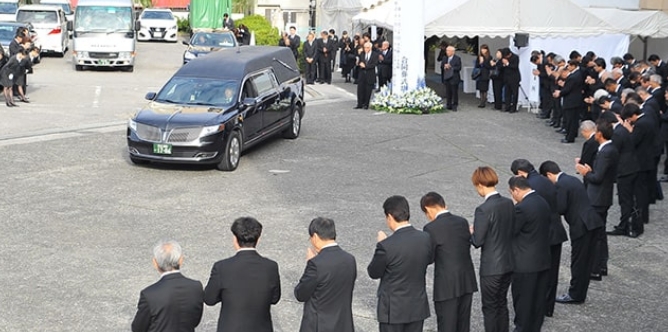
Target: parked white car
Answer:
pixel 50 25
pixel 64 4
pixel 158 24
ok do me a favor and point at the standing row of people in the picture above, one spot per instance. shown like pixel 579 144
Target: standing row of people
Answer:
pixel 520 241
pixel 503 70
pixel 15 67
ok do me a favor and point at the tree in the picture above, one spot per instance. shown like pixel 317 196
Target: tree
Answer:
pixel 243 6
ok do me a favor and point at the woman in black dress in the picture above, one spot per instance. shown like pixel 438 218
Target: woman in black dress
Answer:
pixel 348 57
pixel 482 82
pixel 7 75
pixel 25 67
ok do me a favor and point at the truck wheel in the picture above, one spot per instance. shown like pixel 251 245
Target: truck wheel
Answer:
pixel 231 154
pixel 295 127
pixel 130 69
pixel 78 67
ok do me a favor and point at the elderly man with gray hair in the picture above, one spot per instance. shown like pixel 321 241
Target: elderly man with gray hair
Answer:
pixel 174 302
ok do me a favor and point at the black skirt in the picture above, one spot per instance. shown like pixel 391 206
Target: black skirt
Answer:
pixel 482 85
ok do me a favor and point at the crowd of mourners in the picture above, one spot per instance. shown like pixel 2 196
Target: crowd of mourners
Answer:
pixel 15 64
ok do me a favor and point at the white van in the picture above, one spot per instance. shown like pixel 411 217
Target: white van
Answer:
pixel 50 24
pixel 64 4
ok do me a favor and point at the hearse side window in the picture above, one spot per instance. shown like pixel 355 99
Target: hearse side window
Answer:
pixel 248 90
pixel 263 83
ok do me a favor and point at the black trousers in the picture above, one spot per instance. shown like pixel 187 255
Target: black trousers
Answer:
pixel 454 315
pixel 512 91
pixel 553 277
pixel 600 260
pixel 408 327
pixel 325 70
pixel 644 183
pixel 529 300
pixel 546 101
pixel 572 119
pixel 557 111
pixel 665 162
pixel 364 89
pixel 581 258
pixel 627 202
pixel 311 72
pixel 494 294
pixel 451 93
pixel 497 89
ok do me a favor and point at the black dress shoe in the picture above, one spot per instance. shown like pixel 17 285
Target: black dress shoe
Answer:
pixel 563 140
pixel 616 232
pixel 567 299
pixel 454 108
pixel 549 314
pixel 595 277
pixel 448 107
pixel 604 272
pixel 633 234
pixel 556 125
pixel 357 107
pixel 366 107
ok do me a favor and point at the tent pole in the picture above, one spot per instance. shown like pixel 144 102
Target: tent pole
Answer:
pixel 644 47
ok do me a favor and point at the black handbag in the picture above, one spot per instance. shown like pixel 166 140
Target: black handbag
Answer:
pixel 476 73
pixel 494 72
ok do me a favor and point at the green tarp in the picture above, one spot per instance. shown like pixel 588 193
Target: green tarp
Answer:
pixel 208 14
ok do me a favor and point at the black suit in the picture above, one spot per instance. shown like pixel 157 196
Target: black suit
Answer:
pixel 531 254
pixel 366 78
pixel 511 81
pixel 600 191
pixel 326 287
pixel 644 139
pixel 326 52
pixel 310 51
pixel 246 285
pixel 174 303
pixel 454 276
pixel 573 103
pixel 402 294
pixel 451 79
pixel 659 94
pixel 627 171
pixel 385 68
pixel 557 234
pixel 573 204
pixel 588 154
pixel 493 231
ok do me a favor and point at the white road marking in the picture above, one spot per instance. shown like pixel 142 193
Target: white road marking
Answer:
pixel 96 99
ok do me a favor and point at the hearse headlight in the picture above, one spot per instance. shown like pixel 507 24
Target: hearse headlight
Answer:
pixel 189 55
pixel 210 130
pixel 132 124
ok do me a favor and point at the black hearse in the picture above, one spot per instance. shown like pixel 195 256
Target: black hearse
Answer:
pixel 217 106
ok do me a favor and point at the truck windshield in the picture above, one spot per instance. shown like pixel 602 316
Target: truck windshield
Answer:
pixel 103 19
pixel 8 7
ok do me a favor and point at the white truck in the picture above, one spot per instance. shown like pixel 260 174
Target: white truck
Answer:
pixel 104 34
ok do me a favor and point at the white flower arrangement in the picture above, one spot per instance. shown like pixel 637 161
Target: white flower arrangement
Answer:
pixel 422 100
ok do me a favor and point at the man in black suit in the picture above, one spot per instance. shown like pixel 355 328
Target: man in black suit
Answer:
pixel 451 65
pixel 367 62
pixel 326 50
pixel 531 255
pixel 454 276
pixel 292 41
pixel 660 67
pixel 590 146
pixel 511 78
pixel 493 231
pixel 174 303
pixel 384 64
pixel 657 91
pixel 643 134
pixel 402 294
pixel 327 284
pixel 601 178
pixel 612 104
pixel 311 58
pixel 573 204
pixel 572 99
pixel 627 171
pixel 649 105
pixel 246 284
pixel 557 234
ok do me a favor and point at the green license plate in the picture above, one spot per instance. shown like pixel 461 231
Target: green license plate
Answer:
pixel 103 62
pixel 162 148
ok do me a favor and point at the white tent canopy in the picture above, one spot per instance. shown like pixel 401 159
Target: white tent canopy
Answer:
pixel 493 18
pixel 381 12
pixel 643 23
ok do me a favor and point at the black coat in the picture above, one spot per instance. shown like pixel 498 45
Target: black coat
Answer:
pixel 15 47
pixel 11 68
pixel 628 163
pixel 493 231
pixel 367 75
pixel 531 245
pixel 174 303
pixel 453 75
pixel 589 151
pixel 385 66
pixel 310 50
pixel 571 92
pixel 246 285
pixel 326 287
pixel 511 71
pixel 573 204
pixel 402 294
pixel 601 179
pixel 454 275
pixel 548 191
pixel 484 67
pixel 326 50
pixel 644 139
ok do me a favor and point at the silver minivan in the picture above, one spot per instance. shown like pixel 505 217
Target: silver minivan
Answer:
pixel 50 24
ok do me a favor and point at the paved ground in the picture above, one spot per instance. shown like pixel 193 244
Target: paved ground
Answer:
pixel 79 220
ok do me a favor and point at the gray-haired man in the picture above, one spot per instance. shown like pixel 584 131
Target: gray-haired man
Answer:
pixel 173 303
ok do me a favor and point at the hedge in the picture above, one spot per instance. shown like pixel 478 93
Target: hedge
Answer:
pixel 265 34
